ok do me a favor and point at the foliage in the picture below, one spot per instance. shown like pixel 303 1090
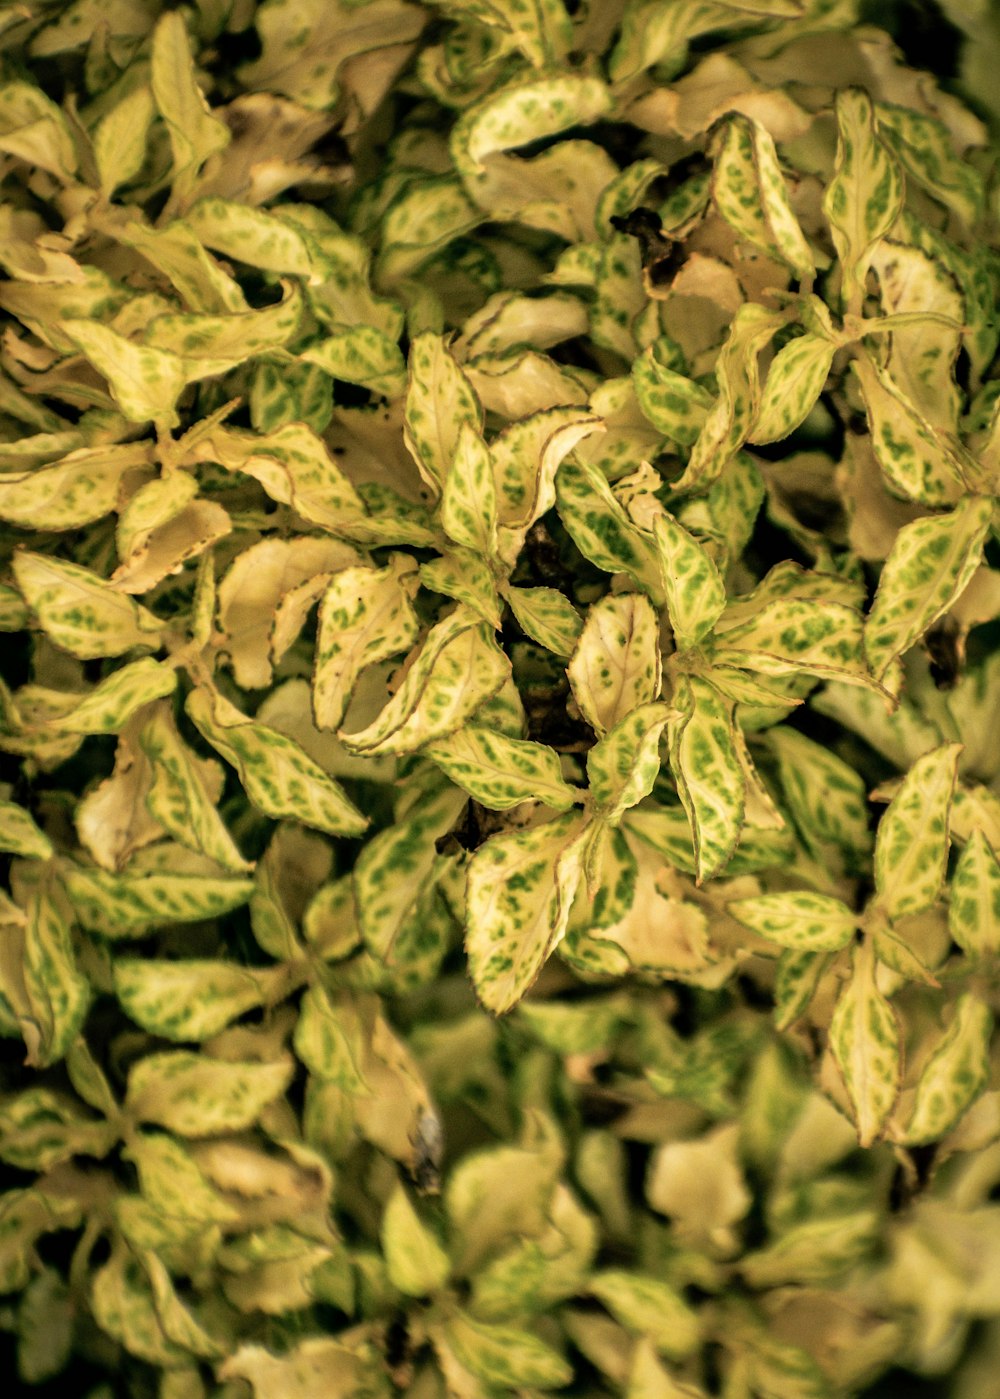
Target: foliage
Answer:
pixel 501 794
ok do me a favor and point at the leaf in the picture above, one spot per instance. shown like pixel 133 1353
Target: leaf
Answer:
pixel 191 1000
pixel 112 703
pixel 76 490
pixel 922 355
pixel 915 461
pixel 616 664
pixel 974 906
pixel 439 401
pixel 500 772
pixel 366 615
pixel 58 994
pixel 864 197
pixel 923 146
pixel 330 1039
pixel 929 566
pixel 179 795
pixel 504 1356
pixel 520 890
pixel 954 1075
pixel 865 1041
pixel 911 845
pixel 803 921
pixel 468 578
pixel 280 779
pixel 750 194
pixel 145 383
pixel 19 835
pixel 525 458
pixel 195 135
pixel 362 355
pixel 601 529
pixel 695 592
pixel 172 1182
pixel 319 1364
pixel 469 502
pixel 458 667
pixel 825 796
pixel 521 112
pixel 795 380
pixel 120 139
pixel 123 1306
pixel 650 1307
pixel 794 635
pixel 624 764
pixel 548 617
pixel 79 611
pixel 128 906
pixel 675 405
pixel 415 1261
pixel 196 1096
pixel 709 776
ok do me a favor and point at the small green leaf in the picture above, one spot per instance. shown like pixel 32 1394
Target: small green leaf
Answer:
pixel 192 1000
pixel 865 1041
pixel 601 529
pixel 623 766
pixel 19 835
pixel 79 611
pixel 794 382
pixel 500 772
pixel 548 617
pixel 469 502
pixel 674 404
pixel 362 355
pixel 864 197
pixel 911 846
pixel 504 1356
pixel 915 461
pixel 803 921
pixel 695 592
pixel 112 703
pixel 438 401
pixel 974 901
pixel 128 906
pixel 708 772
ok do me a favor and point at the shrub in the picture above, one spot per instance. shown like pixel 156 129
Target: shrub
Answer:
pixel 501 780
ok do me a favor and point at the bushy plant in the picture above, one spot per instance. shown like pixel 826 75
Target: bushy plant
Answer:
pixel 500 756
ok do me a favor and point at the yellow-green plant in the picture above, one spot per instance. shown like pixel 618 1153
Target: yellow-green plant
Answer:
pixel 501 787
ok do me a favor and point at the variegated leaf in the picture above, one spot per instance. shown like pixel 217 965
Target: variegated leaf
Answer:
pixel 79 611
pixel 708 772
pixel 931 563
pixel 674 404
pixel 915 460
pixel 415 1261
pixel 195 135
pixel 800 920
pixel 974 898
pixel 74 491
pixel 500 772
pixel 525 458
pixel 922 355
pixel 616 664
pixel 192 1000
pixel 524 111
pixel 750 193
pixel 438 401
pixel 500 1357
pixel 520 890
pixel 112 703
pixel 911 846
pixel 196 1096
pixel 279 777
pixel 58 993
pixel 466 577
pixel 458 667
pixel 547 616
pixel 366 615
pixel 791 635
pixel 954 1075
pixel 864 197
pixel 924 147
pixel 469 500
pixel 145 383
pixel 361 355
pixel 601 529
pixel 695 592
pixel 649 1306
pixel 865 1040
pixel 128 906
pixel 624 764
pixel 19 835
pixel 794 382
pixel 825 795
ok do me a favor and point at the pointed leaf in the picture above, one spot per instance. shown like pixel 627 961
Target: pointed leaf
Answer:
pixel 803 921
pixel 865 1040
pixel 750 193
pixel 650 1307
pixel 191 1000
pixel 112 703
pixel 416 1262
pixel 916 462
pixel 616 664
pixel 865 195
pixel 548 617
pixel 196 1096
pixel 794 382
pixel 79 611
pixel 500 772
pixel 504 1356
pixel 708 772
pixel 974 907
pixel 469 502
pixel 911 846
pixel 19 835
pixel 623 766
pixel 128 906
pixel 696 594
pixel 58 994
pixel 439 400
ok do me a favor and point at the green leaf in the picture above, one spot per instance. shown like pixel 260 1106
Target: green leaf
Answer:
pixel 915 461
pixel 520 890
pixel 911 846
pixel 458 667
pixel 196 1096
pixel 438 401
pixel 795 380
pixel 624 764
pixel 79 611
pixel 865 195
pixel 526 457
pixel 523 112
pixel 468 578
pixel 865 1041
pixel 58 994
pixel 923 354
pixel 650 1307
pixel 112 703
pixel 795 635
pixel 695 592
pixel 128 906
pixel 826 797
pixel 40 1128
pixel 124 1307
pixel 416 1262
pixel 924 147
pixel 19 835
pixel 145 383
pixel 929 567
pixel 469 502
pixel 192 1000
pixel 548 617
pixel 974 906
pixel 504 1355
pixel 708 772
pixel 616 664
pixel 749 192
pixel 362 355
pixel 674 404
pixel 366 615
pixel 601 529
pixel 814 1251
pixel 954 1075
pixel 803 921
pixel 279 777
pixel 179 797
pixel 500 772
pixel 195 135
